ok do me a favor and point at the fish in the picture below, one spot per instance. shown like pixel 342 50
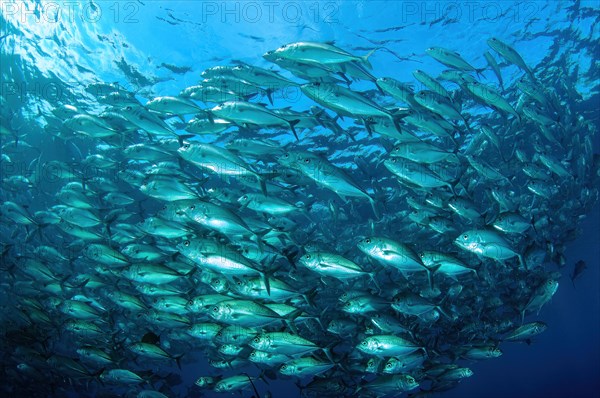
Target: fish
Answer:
pixel 510 54
pixel 346 102
pixel 305 366
pixel 172 105
pixel 578 268
pixel 451 59
pixel 218 160
pixel 320 53
pixel 247 113
pixel 526 331
pixel 326 174
pixel 392 253
pixel 491 61
pixel 363 231
pixel 490 97
pixel 487 243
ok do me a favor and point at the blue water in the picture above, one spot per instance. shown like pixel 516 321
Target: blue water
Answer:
pixel 51 51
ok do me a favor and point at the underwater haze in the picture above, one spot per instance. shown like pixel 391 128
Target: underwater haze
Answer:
pixel 300 199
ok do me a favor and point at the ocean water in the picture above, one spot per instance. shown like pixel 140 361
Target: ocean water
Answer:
pixel 67 53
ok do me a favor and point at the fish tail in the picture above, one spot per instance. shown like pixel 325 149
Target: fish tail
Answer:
pixel 265 278
pixel 327 351
pixel 178 360
pixel 374 207
pixel 182 137
pixel 367 123
pixel 522 261
pixel 374 280
pixel 365 58
pixel 379 88
pixel 292 124
pixel 479 71
pixel 263 184
pixel 269 93
pixel 308 297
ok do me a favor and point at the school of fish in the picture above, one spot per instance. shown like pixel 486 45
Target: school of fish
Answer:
pixel 220 223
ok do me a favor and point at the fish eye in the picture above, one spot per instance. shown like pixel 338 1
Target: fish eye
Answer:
pixel 215 309
pixel 186 243
pixel 192 207
pixel 364 343
pixel 368 240
pixel 128 108
pixel 465 236
pixel 307 160
pixel 388 365
pixel 307 257
pixel 256 340
pixel 283 367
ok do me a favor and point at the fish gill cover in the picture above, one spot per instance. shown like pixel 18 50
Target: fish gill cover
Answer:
pixel 290 199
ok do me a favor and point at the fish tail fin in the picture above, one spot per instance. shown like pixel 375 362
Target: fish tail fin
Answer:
pixel 265 278
pixel 263 184
pixel 367 123
pixel 478 71
pixel 308 297
pixel 182 137
pixel 210 116
pixel 269 93
pixel 261 376
pixel 178 360
pixel 327 351
pixel 374 280
pixel 259 236
pixel 396 121
pixel 292 124
pixel 374 207
pixel 522 261
pixel 365 58
pixel 379 88
pixel 430 272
